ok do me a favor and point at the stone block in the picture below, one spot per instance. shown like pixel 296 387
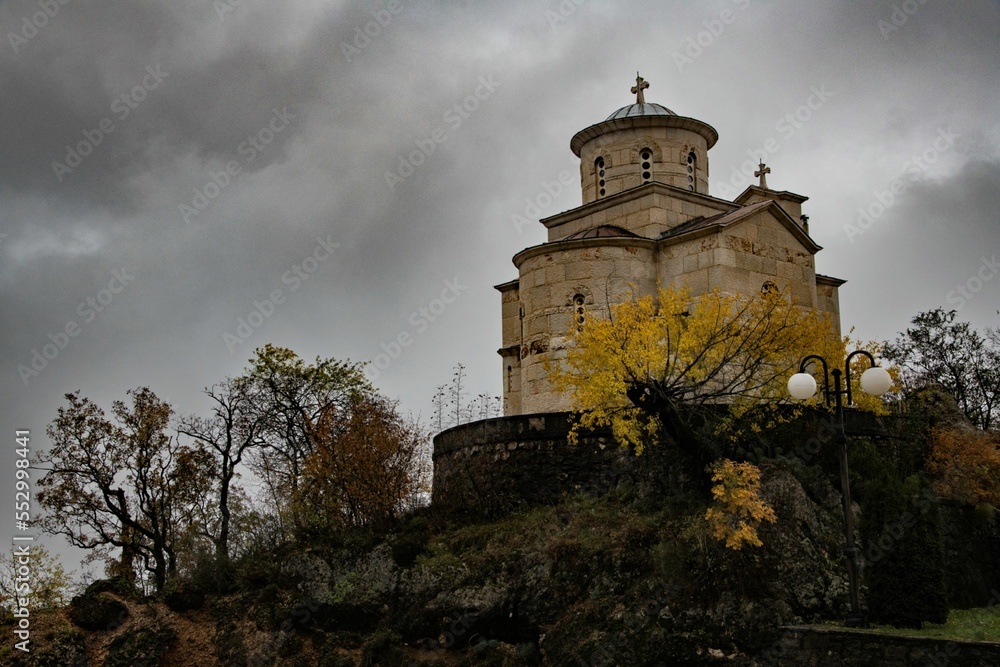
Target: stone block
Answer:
pixel 535 326
pixel 637 220
pixel 788 271
pixel 579 271
pixel 560 323
pixel 696 281
pixel 724 256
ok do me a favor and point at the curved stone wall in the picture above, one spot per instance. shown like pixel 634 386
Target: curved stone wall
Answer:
pixel 621 158
pixel 553 278
pixel 493 466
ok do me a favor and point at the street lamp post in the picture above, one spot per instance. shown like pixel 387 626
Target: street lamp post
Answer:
pixel 874 381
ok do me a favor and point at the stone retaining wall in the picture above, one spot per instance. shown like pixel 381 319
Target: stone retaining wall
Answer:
pixel 496 465
pixel 812 646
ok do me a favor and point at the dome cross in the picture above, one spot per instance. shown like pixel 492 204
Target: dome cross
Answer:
pixel 640 85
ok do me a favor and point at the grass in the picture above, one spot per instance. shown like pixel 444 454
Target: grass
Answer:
pixel 981 624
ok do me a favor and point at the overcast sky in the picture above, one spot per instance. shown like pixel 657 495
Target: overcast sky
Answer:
pixel 130 251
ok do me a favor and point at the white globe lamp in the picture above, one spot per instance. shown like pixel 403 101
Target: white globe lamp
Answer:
pixel 802 386
pixel 875 381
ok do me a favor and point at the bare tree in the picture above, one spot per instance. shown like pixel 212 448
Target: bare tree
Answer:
pixel 236 425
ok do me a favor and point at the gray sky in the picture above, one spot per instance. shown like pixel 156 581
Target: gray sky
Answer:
pixel 144 105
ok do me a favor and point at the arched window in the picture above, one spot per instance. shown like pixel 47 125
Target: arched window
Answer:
pixel 692 167
pixel 599 171
pixel 579 313
pixel 647 164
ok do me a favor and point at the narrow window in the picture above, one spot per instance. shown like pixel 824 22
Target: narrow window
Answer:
pixel 647 164
pixel 579 314
pixel 510 379
pixel 692 166
pixel 599 169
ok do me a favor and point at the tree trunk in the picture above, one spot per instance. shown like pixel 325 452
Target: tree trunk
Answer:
pixel 222 544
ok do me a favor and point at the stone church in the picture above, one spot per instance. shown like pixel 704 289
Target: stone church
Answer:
pixel 647 219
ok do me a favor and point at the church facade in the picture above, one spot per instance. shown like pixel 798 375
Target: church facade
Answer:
pixel 647 220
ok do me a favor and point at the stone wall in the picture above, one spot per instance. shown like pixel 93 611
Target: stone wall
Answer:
pixel 831 647
pixel 496 465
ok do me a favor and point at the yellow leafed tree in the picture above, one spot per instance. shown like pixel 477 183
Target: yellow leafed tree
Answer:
pixel 737 510
pixel 633 371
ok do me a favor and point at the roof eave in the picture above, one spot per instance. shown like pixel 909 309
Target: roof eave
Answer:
pixel 632 122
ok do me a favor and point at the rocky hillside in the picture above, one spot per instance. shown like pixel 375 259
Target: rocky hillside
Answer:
pixel 608 581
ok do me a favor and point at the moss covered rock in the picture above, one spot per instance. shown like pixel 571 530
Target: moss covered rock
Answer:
pixel 144 647
pixel 97 611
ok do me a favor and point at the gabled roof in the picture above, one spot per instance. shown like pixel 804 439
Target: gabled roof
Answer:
pixel 770 194
pixel 716 223
pixel 637 192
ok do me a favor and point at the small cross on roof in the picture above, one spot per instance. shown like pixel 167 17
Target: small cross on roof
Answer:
pixel 764 169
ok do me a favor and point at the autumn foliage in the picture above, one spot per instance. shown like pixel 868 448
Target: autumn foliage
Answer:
pixel 657 353
pixel 154 495
pixel 49 585
pixel 121 484
pixel 965 466
pixel 737 509
pixel 365 467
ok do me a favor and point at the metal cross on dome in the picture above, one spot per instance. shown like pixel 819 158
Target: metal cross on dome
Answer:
pixel 640 85
pixel 764 169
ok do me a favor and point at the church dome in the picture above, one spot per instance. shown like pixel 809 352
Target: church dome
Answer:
pixel 647 109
